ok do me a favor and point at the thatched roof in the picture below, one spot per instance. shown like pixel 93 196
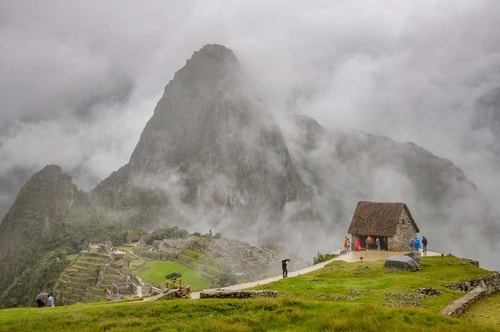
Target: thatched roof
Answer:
pixel 375 218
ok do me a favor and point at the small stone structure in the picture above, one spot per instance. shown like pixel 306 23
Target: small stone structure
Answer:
pixel 225 293
pixel 480 287
pixel 392 223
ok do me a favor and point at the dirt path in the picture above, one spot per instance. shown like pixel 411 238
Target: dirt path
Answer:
pixel 350 256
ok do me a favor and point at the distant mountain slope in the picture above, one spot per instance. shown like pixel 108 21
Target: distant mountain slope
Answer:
pixel 212 157
pixel 347 167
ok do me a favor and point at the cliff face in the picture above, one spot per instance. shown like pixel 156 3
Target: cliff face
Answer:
pixel 211 155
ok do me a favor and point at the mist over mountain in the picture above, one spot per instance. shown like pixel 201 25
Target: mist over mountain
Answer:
pixel 486 118
pixel 345 167
pixel 213 157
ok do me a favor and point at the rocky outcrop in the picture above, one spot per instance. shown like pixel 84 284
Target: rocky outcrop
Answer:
pixel 402 262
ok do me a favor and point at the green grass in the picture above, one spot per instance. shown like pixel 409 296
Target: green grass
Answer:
pixel 485 310
pixel 371 283
pixel 340 297
pixel 155 272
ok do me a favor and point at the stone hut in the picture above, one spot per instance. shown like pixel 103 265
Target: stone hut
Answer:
pixel 392 223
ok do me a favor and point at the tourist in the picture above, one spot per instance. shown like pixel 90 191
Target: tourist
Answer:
pixel 377 242
pixel 417 243
pixel 40 299
pixel 357 244
pixel 50 301
pixel 412 243
pixel 348 245
pixel 284 264
pixel 424 244
pixel 346 240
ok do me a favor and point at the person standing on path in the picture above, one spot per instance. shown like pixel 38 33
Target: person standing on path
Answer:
pixel 424 244
pixel 377 242
pixel 284 264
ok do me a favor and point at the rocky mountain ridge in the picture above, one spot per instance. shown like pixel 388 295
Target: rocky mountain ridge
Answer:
pixel 213 157
pixel 212 152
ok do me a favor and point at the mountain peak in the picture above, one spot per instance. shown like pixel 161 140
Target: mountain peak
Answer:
pixel 50 171
pixel 210 68
pixel 217 144
pixel 215 50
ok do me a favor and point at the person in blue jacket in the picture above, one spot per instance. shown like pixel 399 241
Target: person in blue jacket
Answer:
pixel 417 243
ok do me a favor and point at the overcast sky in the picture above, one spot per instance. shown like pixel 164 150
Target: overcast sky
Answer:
pixel 79 79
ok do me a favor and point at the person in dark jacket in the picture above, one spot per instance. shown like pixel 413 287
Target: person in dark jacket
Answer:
pixel 284 264
pixel 424 244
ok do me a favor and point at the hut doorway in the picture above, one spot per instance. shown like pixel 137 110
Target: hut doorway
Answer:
pixel 369 242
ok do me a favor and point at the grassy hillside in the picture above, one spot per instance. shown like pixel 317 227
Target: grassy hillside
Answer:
pixel 361 296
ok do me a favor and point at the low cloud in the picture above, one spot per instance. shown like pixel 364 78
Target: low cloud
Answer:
pixel 79 81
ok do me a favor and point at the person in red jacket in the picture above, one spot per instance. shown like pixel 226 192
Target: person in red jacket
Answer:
pixel 357 244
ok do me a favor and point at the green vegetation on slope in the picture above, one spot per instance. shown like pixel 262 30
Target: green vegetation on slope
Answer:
pixel 340 297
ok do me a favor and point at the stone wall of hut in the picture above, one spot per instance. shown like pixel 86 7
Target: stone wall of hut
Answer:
pixel 404 231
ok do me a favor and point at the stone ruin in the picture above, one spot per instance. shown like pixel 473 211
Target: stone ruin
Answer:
pixel 475 289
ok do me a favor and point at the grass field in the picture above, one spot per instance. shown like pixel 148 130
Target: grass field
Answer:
pixel 155 272
pixel 361 296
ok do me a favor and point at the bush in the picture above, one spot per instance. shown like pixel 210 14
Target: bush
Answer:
pixel 173 276
pixel 323 257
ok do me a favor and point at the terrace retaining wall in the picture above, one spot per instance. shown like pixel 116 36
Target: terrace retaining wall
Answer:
pixel 476 289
